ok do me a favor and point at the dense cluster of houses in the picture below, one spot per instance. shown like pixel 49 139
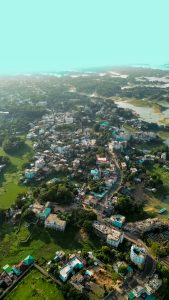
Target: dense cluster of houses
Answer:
pixel 49 218
pixel 10 275
pixel 145 290
pixel 112 236
pixel 60 150
pixel 141 227
pixel 81 272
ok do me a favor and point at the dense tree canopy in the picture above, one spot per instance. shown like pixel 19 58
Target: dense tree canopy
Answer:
pixel 81 217
pixel 127 206
pixel 60 193
pixel 70 293
pixel 12 144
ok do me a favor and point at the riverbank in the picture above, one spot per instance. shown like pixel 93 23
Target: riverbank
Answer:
pixel 150 112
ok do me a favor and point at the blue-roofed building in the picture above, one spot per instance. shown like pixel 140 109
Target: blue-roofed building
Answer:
pixel 30 174
pixel 166 168
pixel 150 297
pixel 120 139
pixel 104 124
pixel 95 173
pixel 29 260
pixel 129 269
pixel 74 264
pixel 117 220
pixel 99 195
pixel 140 161
pixel 162 210
pixel 16 271
pixel 43 215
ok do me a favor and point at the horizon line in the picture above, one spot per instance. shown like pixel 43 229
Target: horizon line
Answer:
pixel 162 67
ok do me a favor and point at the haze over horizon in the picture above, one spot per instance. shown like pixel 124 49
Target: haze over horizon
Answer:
pixel 52 35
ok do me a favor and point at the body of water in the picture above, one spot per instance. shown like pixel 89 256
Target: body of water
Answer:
pixel 145 113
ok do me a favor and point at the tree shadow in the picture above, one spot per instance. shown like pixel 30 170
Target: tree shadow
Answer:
pixel 24 149
pixel 69 239
pixel 66 240
pixel 9 169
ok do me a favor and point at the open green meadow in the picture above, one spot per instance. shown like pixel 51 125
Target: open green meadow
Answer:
pixel 35 286
pixel 156 202
pixel 9 186
pixel 42 244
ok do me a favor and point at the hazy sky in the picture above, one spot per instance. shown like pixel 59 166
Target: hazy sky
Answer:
pixel 44 35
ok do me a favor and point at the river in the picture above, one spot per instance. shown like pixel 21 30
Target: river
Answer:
pixel 147 114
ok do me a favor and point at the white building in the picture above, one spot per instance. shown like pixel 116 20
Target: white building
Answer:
pixel 60 149
pixel 163 155
pixel 133 170
pixel 118 145
pixel 124 136
pixel 31 135
pixel 53 147
pixel 42 103
pixel 112 236
pixel 74 263
pixel 123 165
pixel 54 222
pixel 39 163
pixel 41 131
pixel 76 163
pixel 138 256
pixel 115 238
pixel 153 285
pixel 68 120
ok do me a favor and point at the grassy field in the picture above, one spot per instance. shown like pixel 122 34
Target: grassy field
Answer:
pixel 35 286
pixel 43 243
pixel 157 108
pixel 156 202
pixel 154 205
pixel 163 134
pixel 9 187
pixel 162 172
pixel 130 129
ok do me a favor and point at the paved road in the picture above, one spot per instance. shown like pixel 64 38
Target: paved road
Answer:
pixel 139 243
pixel 136 241
pixel 111 296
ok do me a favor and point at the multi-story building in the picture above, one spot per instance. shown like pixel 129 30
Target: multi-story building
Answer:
pixel 115 238
pixel 112 236
pixel 101 229
pixel 74 264
pixel 138 256
pixel 54 222
pixel 117 220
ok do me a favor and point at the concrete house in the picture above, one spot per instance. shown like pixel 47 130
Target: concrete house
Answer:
pixel 115 238
pixel 117 220
pixel 138 256
pixel 74 264
pixel 52 221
